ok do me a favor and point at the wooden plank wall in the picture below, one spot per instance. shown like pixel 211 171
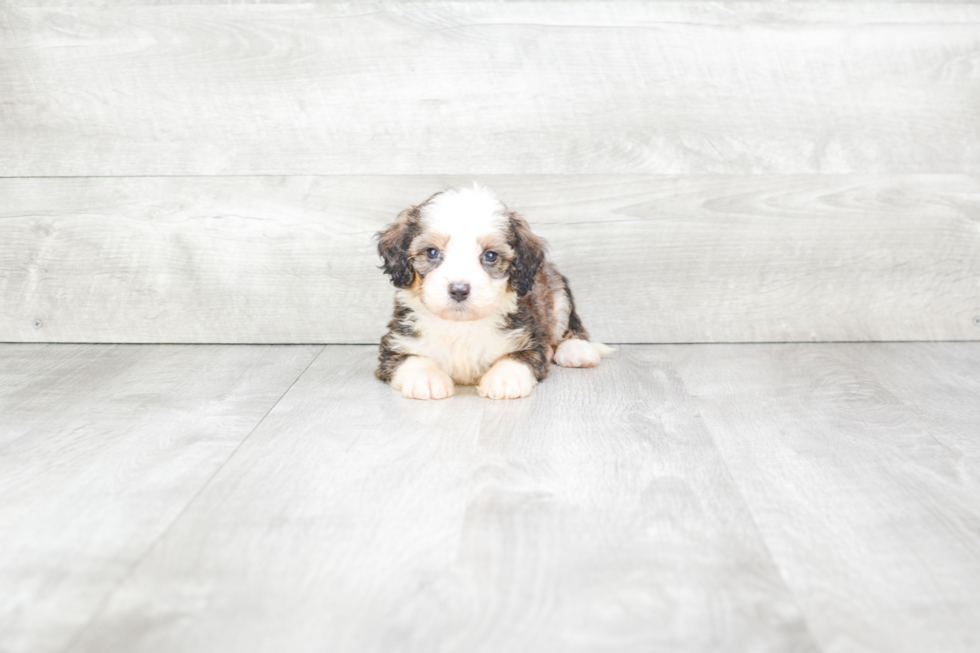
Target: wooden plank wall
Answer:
pixel 705 172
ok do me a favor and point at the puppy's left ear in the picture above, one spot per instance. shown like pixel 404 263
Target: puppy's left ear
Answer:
pixel 393 244
pixel 528 255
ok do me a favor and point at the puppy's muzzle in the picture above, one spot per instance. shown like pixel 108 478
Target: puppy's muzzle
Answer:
pixel 459 291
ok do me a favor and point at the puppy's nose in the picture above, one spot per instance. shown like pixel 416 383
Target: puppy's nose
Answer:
pixel 459 291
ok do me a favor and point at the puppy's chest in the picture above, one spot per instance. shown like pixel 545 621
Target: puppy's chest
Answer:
pixel 464 350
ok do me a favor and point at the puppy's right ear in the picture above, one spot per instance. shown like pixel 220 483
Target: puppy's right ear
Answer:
pixel 393 244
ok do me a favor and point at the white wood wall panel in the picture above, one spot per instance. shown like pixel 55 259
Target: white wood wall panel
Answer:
pixel 149 3
pixel 481 88
pixel 650 258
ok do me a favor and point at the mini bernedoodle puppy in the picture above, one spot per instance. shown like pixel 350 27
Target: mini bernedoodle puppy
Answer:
pixel 477 303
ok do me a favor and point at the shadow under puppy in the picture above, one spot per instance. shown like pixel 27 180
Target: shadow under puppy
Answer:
pixel 477 301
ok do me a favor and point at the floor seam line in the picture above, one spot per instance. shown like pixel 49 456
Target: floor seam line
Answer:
pixel 149 549
pixel 748 509
pixel 762 539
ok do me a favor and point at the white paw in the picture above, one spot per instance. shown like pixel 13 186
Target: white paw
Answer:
pixel 575 352
pixel 507 379
pixel 420 378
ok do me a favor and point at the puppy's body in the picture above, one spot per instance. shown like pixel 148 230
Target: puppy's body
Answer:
pixel 477 302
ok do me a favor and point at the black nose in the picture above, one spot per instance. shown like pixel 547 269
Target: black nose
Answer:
pixel 459 291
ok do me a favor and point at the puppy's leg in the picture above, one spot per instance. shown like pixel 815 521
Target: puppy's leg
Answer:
pixel 513 375
pixel 576 350
pixel 415 376
pixel 419 378
pixel 507 379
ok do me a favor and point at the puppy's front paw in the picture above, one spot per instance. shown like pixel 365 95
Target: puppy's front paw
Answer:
pixel 507 379
pixel 428 386
pixel 576 352
pixel 420 378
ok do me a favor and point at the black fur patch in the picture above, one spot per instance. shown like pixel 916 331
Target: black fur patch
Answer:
pixel 534 359
pixel 528 255
pixel 575 327
pixel 393 244
pixel 528 318
pixel 402 324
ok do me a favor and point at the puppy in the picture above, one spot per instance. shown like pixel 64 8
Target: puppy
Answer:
pixel 477 302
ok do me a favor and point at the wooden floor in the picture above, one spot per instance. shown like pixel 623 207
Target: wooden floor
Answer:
pixel 803 497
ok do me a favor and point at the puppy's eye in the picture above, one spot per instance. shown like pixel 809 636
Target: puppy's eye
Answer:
pixel 432 253
pixel 490 257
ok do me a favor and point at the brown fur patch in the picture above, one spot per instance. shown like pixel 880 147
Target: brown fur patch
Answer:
pixel 505 255
pixel 416 287
pixel 537 315
pixel 426 239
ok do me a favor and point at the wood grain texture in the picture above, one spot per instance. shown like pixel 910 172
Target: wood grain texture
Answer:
pixel 861 467
pixel 101 450
pixel 490 88
pixel 593 516
pixel 650 258
pixel 149 3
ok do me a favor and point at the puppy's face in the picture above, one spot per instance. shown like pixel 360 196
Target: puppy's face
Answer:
pixel 460 253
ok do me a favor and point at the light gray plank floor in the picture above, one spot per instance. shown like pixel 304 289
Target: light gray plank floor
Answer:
pixel 101 449
pixel 678 498
pixel 861 466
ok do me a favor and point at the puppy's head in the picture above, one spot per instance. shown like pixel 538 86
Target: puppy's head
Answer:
pixel 461 252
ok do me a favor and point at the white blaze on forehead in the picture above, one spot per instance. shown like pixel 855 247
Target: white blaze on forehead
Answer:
pixel 465 214
pixel 466 218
